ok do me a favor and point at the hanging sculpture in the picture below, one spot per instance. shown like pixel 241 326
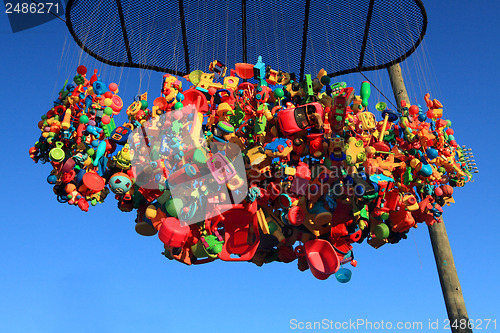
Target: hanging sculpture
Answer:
pixel 252 164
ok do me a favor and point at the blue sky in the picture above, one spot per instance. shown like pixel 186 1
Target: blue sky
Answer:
pixel 63 270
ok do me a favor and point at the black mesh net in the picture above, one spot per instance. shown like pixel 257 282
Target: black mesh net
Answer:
pixel 300 36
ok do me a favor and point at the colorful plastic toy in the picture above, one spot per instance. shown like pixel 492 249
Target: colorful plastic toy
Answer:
pixel 294 120
pixel 277 170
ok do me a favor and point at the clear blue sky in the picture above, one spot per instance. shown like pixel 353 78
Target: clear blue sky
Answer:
pixel 63 270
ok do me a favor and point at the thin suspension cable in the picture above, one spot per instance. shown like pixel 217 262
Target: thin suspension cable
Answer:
pixel 285 44
pixel 266 42
pixel 416 247
pixel 328 47
pixel 275 31
pixel 59 65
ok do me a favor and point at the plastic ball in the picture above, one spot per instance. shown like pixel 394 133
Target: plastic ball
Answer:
pixel 84 119
pixel 438 191
pixel 421 117
pixel 414 110
pixel 178 106
pixel 212 91
pixel 108 111
pixel 325 80
pixel 106 119
pixel 430 114
pixel 449 123
pixel 113 87
pixel 279 93
pixel 144 104
pixel 82 70
pixel 179 97
pixel 447 190
pixel 52 179
pixel 178 115
pixel 451 137
pixel 108 94
pixel 449 131
pixel 108 102
pixel 120 183
pixel 431 153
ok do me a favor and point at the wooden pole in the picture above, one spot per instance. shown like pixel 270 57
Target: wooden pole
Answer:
pixel 448 277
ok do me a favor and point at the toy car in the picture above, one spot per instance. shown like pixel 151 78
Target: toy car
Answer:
pixel 291 121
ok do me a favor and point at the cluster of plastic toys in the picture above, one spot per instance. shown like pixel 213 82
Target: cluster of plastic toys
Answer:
pixel 255 165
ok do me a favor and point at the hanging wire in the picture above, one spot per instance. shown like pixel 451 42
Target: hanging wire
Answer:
pixel 417 72
pixel 285 43
pixel 416 247
pixel 158 50
pixel 275 32
pixel 59 64
pixel 328 41
pixel 432 70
